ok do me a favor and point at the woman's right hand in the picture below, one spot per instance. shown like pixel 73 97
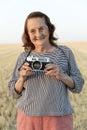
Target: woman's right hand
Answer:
pixel 25 70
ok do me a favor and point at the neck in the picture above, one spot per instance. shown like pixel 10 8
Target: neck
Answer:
pixel 44 48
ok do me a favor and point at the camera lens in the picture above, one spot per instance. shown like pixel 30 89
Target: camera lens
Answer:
pixel 37 65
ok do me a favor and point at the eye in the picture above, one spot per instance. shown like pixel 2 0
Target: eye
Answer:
pixel 41 29
pixel 32 31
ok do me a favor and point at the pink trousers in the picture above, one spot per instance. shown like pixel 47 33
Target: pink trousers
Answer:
pixel 44 122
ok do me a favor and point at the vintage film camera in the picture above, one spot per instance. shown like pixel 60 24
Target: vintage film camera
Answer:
pixel 37 63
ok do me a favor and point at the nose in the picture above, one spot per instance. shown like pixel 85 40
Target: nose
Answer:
pixel 38 33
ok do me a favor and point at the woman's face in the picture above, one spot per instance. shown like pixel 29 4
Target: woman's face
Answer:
pixel 38 31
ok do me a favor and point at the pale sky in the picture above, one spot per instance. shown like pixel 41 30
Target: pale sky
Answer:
pixel 68 16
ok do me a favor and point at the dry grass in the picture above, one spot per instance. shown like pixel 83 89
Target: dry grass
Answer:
pixel 80 46
pixel 8 57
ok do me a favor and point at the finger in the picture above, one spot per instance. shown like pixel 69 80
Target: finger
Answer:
pixel 50 72
pixel 50 67
pixel 26 72
pixel 24 67
pixel 26 64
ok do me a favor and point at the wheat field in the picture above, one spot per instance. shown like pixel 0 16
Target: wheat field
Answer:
pixel 8 110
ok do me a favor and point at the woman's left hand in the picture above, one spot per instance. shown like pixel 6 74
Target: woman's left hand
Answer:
pixel 52 70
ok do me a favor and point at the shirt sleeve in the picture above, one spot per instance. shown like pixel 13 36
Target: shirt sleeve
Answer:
pixel 75 74
pixel 15 77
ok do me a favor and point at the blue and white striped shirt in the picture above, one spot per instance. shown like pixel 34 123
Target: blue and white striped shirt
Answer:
pixel 45 95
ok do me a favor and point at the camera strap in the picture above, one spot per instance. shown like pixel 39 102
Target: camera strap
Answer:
pixel 65 53
pixel 28 53
pixel 24 60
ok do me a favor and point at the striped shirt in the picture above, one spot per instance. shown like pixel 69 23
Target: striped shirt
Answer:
pixel 45 95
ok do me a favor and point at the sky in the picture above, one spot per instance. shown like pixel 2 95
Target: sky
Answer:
pixel 68 16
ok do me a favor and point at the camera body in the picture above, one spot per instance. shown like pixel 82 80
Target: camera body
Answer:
pixel 37 63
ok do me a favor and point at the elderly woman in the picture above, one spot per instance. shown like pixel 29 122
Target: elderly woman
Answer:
pixel 43 75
